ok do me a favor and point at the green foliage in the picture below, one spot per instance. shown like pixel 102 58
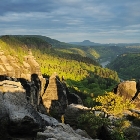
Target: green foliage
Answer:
pixel 134 118
pixel 113 104
pixel 120 127
pixel 81 73
pixel 127 65
pixel 130 133
pixel 104 128
pixel 89 102
pixel 92 123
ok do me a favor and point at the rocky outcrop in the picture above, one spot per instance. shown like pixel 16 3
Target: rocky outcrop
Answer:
pixel 17 116
pixel 72 112
pixel 62 132
pixel 73 98
pixel 24 93
pixel 54 95
pixel 55 98
pixel 10 66
pixel 127 90
pixel 32 67
pixel 5 67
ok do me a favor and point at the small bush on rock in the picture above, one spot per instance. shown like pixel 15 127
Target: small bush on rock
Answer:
pixel 92 124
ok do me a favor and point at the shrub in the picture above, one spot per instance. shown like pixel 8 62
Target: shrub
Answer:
pixel 92 124
pixel 113 104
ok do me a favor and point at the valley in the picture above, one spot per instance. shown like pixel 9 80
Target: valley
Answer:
pixel 74 74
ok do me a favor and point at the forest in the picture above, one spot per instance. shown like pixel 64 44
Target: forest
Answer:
pixel 82 74
pixel 127 66
pixel 81 70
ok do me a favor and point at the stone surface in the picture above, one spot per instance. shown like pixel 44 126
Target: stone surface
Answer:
pixel 72 112
pixel 51 121
pixel 62 132
pixel 55 98
pixel 23 92
pixel 11 86
pixel 6 68
pixel 51 91
pixel 9 66
pixel 127 90
pixel 72 97
pixel 18 116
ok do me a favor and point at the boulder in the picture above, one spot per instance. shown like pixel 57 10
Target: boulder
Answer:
pixel 62 132
pixel 55 99
pixel 127 90
pixel 72 112
pixel 51 121
pixel 74 98
pixel 17 115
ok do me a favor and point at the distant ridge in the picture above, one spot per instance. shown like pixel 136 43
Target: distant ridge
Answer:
pixel 89 43
pixel 85 43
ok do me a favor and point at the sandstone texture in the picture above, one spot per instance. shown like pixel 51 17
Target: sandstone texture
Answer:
pixel 25 98
pixel 72 112
pixel 127 90
pixel 17 116
pixel 62 132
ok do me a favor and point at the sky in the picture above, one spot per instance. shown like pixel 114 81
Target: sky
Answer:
pixel 100 21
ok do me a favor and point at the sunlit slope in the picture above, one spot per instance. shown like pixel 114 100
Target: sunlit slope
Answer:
pixel 82 73
pixel 127 65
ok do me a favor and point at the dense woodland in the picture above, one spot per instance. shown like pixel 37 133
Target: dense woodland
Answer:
pixel 82 74
pixel 79 65
pixel 127 65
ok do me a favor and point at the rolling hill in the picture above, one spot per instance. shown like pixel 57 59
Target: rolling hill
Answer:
pixel 83 75
pixel 127 65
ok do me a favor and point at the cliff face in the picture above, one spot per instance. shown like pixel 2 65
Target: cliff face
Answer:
pixel 54 96
pixel 24 93
pixel 17 116
pixel 128 90
pixel 9 66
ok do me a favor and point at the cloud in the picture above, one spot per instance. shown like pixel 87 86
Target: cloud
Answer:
pixel 21 6
pixel 71 20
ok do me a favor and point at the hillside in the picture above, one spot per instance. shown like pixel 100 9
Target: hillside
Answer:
pixel 95 51
pixel 127 65
pixel 82 74
pixel 22 57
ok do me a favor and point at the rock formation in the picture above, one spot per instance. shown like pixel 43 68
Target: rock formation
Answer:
pixel 55 98
pixel 55 95
pixel 9 66
pixel 31 65
pixel 62 132
pixel 24 92
pixel 5 67
pixel 127 90
pixel 72 97
pixel 72 112
pixel 17 116
pixel 16 67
